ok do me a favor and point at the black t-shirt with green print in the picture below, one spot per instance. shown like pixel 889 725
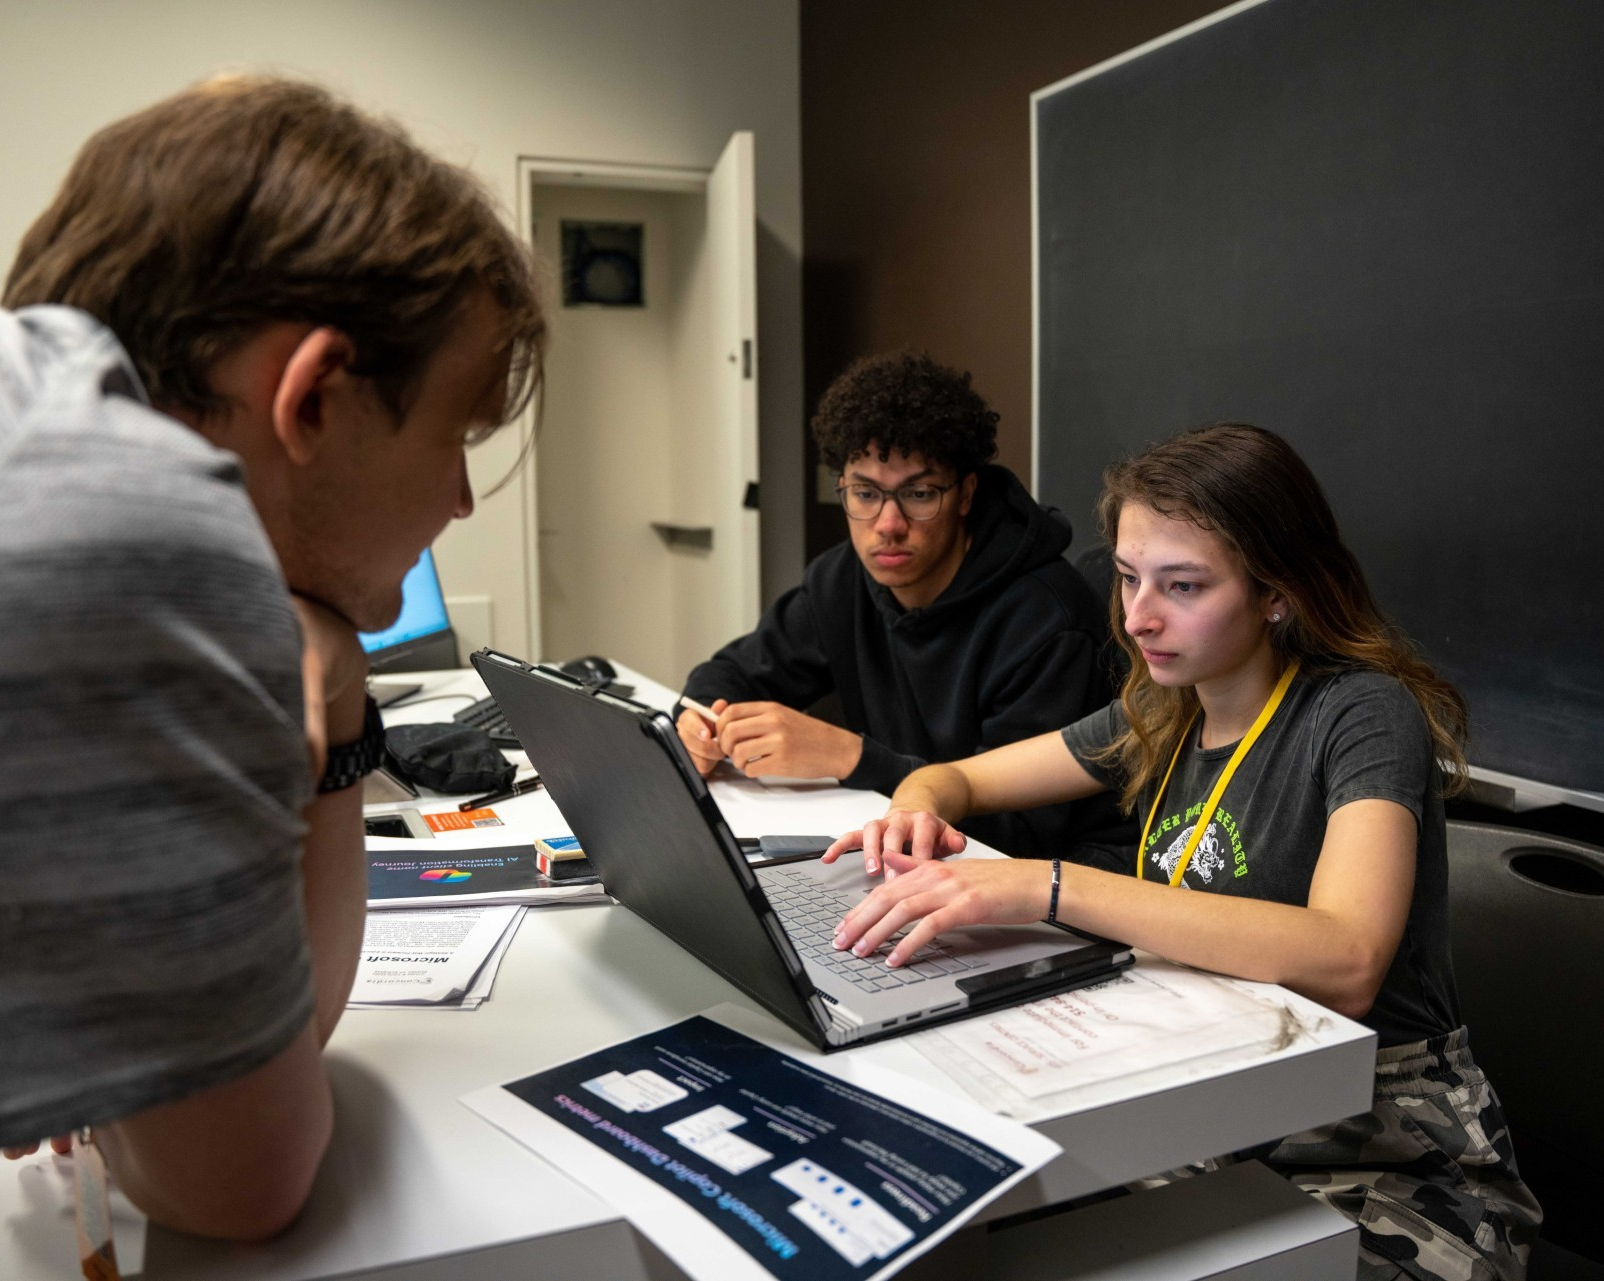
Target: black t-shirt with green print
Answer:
pixel 1342 737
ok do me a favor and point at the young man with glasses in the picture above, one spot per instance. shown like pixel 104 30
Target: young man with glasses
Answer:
pixel 948 623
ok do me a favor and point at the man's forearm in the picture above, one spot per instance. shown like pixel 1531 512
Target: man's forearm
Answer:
pixel 334 873
pixel 846 751
pixel 333 862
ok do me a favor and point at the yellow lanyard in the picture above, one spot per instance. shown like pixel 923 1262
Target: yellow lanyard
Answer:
pixel 1213 803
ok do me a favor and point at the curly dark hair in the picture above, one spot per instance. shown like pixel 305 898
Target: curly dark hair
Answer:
pixel 905 402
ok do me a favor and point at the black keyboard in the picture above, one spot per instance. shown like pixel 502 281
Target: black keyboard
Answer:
pixel 487 716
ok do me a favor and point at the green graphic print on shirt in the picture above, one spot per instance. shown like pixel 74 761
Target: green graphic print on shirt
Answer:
pixel 1220 854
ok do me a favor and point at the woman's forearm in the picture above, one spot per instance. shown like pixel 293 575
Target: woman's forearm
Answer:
pixel 1314 952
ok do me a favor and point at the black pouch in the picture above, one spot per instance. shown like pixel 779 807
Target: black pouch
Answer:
pixel 448 758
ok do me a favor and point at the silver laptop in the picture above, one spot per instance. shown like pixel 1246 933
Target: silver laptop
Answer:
pixel 646 819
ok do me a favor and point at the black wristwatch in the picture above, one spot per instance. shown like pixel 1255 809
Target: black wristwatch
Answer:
pixel 352 762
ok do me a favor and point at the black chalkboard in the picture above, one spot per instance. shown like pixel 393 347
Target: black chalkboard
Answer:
pixel 1377 227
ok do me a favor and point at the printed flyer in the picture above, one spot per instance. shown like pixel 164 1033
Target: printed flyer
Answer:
pixel 739 1160
pixel 410 874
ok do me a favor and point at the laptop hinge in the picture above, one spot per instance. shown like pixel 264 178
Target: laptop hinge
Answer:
pixel 841 1025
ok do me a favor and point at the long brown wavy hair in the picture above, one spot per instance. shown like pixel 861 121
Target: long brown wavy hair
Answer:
pixel 1250 488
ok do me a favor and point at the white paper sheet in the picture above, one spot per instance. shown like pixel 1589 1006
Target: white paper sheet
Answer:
pixel 429 956
pixel 1025 1061
pixel 478 991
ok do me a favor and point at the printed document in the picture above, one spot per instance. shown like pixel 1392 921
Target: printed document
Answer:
pixel 406 873
pixel 432 957
pixel 742 1162
pixel 1155 1015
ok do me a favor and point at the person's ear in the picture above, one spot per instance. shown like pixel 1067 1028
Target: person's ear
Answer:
pixel 1277 608
pixel 316 375
pixel 966 492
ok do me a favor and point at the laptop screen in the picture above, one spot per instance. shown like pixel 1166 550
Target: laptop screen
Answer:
pixel 422 621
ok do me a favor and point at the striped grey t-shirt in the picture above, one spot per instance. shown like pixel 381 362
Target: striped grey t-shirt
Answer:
pixel 152 760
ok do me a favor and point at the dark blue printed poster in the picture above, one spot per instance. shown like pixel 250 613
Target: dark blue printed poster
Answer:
pixel 807 1174
pixel 425 873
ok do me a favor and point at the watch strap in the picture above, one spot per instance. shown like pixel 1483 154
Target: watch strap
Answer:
pixel 350 763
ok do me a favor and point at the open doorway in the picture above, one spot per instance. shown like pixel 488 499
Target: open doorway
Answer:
pixel 642 494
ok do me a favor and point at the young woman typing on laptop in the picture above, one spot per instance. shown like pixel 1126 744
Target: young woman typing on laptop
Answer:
pixel 1281 742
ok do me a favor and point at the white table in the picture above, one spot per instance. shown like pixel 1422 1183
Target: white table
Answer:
pixel 416 1187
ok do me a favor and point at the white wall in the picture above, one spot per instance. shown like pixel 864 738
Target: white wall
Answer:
pixel 647 82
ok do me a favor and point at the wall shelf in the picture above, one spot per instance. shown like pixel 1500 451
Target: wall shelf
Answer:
pixel 697 537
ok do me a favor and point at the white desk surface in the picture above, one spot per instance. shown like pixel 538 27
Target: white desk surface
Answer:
pixel 416 1186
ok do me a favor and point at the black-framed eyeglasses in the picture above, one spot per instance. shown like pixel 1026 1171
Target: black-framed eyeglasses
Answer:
pixel 918 501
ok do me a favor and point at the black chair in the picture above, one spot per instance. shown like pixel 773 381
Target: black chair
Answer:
pixel 1527 932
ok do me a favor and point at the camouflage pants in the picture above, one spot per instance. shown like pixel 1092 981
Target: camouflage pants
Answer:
pixel 1428 1174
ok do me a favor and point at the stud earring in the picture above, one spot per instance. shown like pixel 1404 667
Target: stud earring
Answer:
pixel 1275 618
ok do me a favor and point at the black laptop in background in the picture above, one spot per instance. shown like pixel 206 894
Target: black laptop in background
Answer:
pixel 646 819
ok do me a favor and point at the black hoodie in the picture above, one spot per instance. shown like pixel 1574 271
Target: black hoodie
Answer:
pixel 1012 648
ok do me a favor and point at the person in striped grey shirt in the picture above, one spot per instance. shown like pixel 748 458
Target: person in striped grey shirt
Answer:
pixel 241 357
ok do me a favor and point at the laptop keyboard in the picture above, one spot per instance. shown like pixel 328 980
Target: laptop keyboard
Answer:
pixel 487 716
pixel 810 914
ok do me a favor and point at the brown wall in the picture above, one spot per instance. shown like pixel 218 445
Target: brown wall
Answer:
pixel 916 183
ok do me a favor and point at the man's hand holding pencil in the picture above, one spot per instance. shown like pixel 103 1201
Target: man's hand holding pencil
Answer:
pixel 763 739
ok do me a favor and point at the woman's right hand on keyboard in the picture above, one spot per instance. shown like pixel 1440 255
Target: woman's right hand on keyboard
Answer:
pixel 927 898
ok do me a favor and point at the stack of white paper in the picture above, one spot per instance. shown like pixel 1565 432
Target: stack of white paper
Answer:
pixel 1023 1061
pixel 438 958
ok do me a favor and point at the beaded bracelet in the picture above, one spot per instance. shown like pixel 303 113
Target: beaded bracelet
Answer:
pixel 1052 903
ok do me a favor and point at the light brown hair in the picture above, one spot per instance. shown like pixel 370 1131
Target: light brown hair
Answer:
pixel 187 226
pixel 1249 487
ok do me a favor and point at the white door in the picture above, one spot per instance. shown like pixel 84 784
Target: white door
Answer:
pixel 645 547
pixel 732 268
